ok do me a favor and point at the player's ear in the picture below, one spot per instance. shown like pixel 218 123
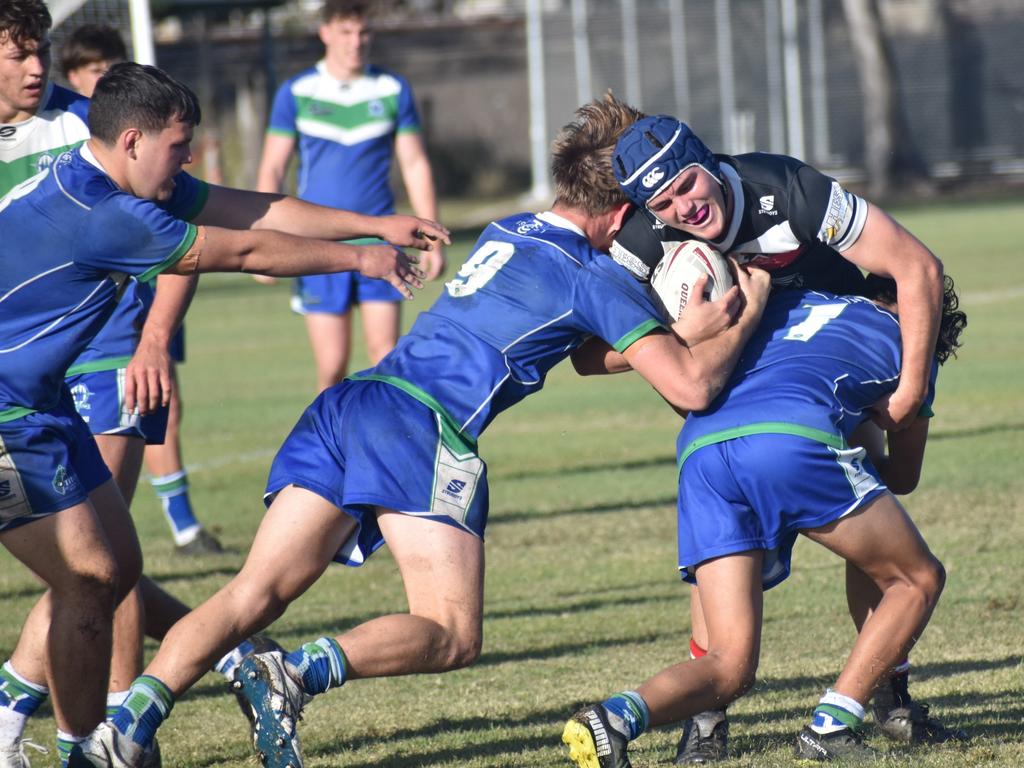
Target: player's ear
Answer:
pixel 129 141
pixel 619 216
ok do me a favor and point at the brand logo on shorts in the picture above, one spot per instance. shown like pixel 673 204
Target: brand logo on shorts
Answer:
pixel 653 177
pixel 5 489
pixel 454 488
pixel 81 394
pixel 63 482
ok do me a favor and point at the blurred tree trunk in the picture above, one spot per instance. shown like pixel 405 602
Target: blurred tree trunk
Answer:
pixel 890 155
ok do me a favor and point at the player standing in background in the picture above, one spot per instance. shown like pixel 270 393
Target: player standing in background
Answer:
pixel 86 55
pixel 390 455
pixel 814 370
pixel 785 216
pixel 347 118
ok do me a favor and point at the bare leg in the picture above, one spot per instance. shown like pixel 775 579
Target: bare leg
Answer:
pixel 381 323
pixel 331 339
pixel 732 606
pixel 73 620
pixel 882 542
pixel 698 626
pixel 442 568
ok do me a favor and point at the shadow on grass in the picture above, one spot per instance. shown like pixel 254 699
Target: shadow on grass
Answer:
pixel 518 516
pixel 982 431
pixel 528 474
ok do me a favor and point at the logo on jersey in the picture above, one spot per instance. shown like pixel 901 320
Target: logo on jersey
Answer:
pixel 768 205
pixel 526 226
pixel 8 131
pixel 63 481
pixel 653 176
pixel 82 395
pixel 43 162
pixel 838 216
pixel 376 108
pixel 316 109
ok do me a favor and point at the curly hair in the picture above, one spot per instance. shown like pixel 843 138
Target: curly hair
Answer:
pixel 581 155
pixel 24 20
pixel 953 321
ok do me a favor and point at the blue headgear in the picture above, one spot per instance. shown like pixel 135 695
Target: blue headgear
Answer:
pixel 653 152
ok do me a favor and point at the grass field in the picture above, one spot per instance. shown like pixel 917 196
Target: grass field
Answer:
pixel 582 592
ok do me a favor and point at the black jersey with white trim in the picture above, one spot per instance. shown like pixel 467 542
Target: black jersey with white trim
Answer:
pixel 787 218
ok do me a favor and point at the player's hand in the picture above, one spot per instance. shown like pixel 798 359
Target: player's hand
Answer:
pixel 413 232
pixel 701 320
pixel 432 263
pixel 754 283
pixel 898 409
pixel 391 264
pixel 147 380
pixel 265 279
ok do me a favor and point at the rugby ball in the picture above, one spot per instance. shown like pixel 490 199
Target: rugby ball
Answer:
pixel 673 278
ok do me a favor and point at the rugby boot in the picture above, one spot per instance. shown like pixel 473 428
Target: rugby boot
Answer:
pixel 592 742
pixel 273 691
pixel 846 744
pixel 14 756
pixel 260 644
pixel 204 543
pixel 704 739
pixel 901 718
pixel 107 747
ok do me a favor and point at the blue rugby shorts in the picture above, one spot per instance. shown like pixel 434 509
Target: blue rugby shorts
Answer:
pixel 99 400
pixel 760 491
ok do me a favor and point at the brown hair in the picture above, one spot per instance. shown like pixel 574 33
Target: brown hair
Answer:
pixel 89 44
pixel 344 9
pixel 581 156
pixel 24 20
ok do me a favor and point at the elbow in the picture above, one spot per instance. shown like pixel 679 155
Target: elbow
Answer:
pixel 689 395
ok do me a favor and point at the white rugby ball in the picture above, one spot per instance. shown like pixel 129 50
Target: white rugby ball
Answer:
pixel 673 278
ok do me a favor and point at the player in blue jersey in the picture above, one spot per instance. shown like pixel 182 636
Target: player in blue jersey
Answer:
pixel 809 232
pixel 346 119
pixel 390 456
pixel 813 372
pixel 118 206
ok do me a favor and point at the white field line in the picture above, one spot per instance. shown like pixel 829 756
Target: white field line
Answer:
pixel 971 298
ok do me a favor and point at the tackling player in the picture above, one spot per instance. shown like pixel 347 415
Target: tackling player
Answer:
pixel 117 206
pixel 390 456
pixel 813 371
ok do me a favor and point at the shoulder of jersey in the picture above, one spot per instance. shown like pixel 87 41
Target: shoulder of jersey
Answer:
pixel 529 229
pixel 67 100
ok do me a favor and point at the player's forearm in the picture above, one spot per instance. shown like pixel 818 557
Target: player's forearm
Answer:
pixel 278 254
pixel 419 185
pixel 298 217
pixel 716 358
pixel 173 295
pixel 919 304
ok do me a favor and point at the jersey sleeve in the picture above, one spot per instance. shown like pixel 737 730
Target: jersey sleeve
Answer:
pixel 283 112
pixel 611 304
pixel 408 119
pixel 126 234
pixel 638 245
pixel 834 216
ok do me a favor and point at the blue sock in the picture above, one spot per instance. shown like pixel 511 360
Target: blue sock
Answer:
pixel 321 663
pixel 65 743
pixel 172 490
pixel 228 662
pixel 18 693
pixel 836 712
pixel 114 701
pixel 627 713
pixel 148 704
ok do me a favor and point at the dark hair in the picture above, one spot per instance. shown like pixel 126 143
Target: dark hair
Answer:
pixel 139 96
pixel 344 9
pixel 24 20
pixel 953 319
pixel 91 43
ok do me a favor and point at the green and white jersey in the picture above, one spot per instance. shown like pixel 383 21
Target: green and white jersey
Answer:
pixel 29 147
pixel 345 131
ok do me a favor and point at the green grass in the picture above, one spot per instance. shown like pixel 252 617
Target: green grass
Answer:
pixel 582 593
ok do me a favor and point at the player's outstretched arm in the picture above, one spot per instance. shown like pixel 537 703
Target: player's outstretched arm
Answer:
pixel 148 381
pixel 886 248
pixel 690 378
pixel 268 252
pixel 242 209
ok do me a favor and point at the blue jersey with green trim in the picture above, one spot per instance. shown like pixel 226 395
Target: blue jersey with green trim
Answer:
pixel 815 365
pixel 531 292
pixel 71 239
pixel 346 132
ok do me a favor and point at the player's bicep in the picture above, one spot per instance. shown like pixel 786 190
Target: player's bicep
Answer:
pixel 215 249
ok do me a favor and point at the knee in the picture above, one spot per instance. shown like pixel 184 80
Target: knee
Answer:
pixel 257 605
pixel 95 581
pixel 462 646
pixel 931 579
pixel 734 673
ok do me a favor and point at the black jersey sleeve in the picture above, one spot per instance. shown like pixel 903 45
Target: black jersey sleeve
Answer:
pixel 828 213
pixel 638 247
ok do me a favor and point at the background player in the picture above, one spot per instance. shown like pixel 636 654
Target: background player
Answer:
pixel 780 214
pixel 811 374
pixel 347 118
pixel 391 456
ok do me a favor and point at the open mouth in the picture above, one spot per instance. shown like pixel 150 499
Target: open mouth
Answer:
pixel 699 217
